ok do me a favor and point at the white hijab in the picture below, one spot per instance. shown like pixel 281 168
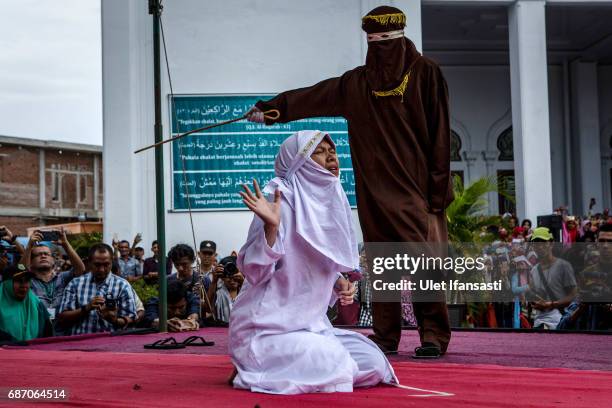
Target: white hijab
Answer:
pixel 322 211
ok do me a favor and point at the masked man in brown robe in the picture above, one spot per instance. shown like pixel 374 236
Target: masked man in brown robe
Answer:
pixel 399 134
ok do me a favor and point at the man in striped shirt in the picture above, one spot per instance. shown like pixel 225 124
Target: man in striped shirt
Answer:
pixel 98 301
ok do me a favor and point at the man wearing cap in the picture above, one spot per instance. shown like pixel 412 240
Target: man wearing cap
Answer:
pixel 552 282
pixel 398 121
pixel 22 315
pixel 208 258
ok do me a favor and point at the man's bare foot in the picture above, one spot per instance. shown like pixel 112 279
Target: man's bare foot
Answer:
pixel 230 380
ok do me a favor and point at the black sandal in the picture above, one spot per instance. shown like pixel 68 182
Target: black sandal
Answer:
pixel 427 350
pixel 166 344
pixel 197 341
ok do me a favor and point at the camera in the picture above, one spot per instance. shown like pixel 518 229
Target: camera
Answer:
pixel 8 249
pixel 110 303
pixel 229 266
pixel 50 235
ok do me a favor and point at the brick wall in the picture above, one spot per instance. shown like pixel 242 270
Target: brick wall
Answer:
pixel 62 167
pixel 18 176
pixel 19 185
pixel 18 225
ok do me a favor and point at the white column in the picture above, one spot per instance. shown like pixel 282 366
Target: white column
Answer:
pixel 127 87
pixel 470 160
pixel 530 123
pixel 42 182
pixel 490 158
pixel 586 140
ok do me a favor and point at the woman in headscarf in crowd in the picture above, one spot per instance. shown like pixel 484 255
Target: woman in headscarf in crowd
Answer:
pixel 23 316
pixel 512 222
pixel 518 234
pixel 570 230
pixel 503 235
pixel 527 228
pixel 280 338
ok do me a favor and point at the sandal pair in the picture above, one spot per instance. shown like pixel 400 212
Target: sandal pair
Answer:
pixel 171 344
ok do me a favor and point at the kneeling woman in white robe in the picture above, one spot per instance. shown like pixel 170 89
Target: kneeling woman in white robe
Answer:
pixel 280 338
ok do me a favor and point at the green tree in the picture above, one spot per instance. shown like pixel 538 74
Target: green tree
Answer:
pixel 83 241
pixel 466 214
pixel 467 222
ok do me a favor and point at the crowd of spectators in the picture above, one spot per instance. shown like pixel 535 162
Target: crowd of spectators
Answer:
pixel 47 289
pixel 560 276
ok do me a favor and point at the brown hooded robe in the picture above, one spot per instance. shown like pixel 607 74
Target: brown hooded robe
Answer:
pixel 400 148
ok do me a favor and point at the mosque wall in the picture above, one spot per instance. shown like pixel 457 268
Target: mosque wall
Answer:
pixel 481 112
pixel 267 47
pixel 604 77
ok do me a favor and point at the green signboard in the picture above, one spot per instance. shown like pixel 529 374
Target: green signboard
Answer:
pixel 209 167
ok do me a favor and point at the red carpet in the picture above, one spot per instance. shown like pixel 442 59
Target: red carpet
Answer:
pixel 535 350
pixel 197 380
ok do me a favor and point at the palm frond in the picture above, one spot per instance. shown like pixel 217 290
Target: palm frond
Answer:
pixel 465 214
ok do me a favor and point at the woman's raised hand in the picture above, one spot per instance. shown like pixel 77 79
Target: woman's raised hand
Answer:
pixel 269 212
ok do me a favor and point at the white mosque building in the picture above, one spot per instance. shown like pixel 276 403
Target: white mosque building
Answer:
pixel 530 85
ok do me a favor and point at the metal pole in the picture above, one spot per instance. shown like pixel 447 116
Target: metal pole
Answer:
pixel 155 10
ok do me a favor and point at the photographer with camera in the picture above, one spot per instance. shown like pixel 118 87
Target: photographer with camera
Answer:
pixel 11 252
pixel 99 301
pixel 225 286
pixel 47 284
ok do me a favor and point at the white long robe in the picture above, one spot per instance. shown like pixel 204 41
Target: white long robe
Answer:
pixel 280 338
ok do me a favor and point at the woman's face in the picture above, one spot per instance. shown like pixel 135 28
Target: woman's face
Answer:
pixel 325 156
pixel 232 282
pixel 21 286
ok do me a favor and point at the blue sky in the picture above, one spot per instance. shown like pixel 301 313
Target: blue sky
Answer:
pixel 51 70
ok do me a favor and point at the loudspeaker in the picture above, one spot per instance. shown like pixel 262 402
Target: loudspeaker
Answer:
pixel 554 223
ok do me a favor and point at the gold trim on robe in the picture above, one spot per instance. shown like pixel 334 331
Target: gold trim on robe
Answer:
pixel 398 91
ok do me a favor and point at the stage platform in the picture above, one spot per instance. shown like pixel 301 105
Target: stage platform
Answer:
pixel 482 369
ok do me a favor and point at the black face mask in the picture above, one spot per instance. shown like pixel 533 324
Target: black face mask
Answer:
pixel 386 63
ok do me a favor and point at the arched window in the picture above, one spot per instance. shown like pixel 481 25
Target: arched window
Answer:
pixel 505 145
pixel 455 147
